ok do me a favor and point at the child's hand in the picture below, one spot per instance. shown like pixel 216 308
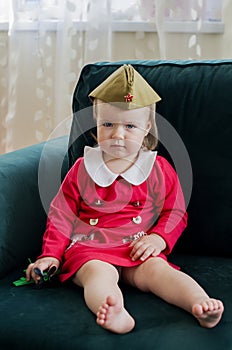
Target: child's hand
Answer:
pixel 41 264
pixel 150 245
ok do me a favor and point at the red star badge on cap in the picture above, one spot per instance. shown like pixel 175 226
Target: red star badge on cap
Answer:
pixel 129 97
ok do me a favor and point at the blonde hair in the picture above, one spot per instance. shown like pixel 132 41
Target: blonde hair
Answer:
pixel 150 141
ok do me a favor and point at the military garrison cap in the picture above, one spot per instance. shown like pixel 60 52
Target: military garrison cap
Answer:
pixel 126 88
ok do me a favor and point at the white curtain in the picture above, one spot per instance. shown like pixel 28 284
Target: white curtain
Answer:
pixel 45 43
pixel 192 17
pixel 43 47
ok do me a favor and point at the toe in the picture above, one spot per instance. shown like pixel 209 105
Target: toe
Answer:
pixel 111 301
pixel 101 316
pixel 100 321
pixel 103 309
pixel 197 310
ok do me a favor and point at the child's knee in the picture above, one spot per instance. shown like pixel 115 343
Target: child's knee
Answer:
pixel 140 276
pixel 95 269
pixel 154 267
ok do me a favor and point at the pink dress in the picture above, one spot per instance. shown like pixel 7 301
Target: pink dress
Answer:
pixel 96 213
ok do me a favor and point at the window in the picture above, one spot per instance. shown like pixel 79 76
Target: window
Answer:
pixel 130 15
pixel 53 9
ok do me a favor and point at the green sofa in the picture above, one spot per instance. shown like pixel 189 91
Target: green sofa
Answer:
pixel 196 102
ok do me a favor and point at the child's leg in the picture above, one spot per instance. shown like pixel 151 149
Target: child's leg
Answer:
pixel 103 296
pixel 157 276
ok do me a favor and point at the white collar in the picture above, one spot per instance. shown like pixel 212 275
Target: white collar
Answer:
pixel 102 176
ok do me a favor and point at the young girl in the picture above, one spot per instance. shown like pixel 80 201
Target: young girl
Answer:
pixel 120 211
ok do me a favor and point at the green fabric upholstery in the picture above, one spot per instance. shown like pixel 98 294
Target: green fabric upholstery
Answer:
pixel 196 101
pixel 23 215
pixel 56 318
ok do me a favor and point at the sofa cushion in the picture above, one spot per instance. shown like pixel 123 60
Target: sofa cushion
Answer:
pixel 196 101
pixel 56 317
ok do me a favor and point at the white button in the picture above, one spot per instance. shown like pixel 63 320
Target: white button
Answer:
pixel 98 202
pixel 136 204
pixel 93 222
pixel 137 220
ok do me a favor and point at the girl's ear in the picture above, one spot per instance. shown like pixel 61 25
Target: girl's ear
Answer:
pixel 148 128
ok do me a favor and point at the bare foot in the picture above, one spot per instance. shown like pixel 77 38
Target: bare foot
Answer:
pixel 112 316
pixel 208 312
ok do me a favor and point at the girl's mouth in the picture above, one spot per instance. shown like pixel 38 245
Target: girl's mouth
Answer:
pixel 117 145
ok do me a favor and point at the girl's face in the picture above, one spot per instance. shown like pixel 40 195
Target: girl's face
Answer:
pixel 121 132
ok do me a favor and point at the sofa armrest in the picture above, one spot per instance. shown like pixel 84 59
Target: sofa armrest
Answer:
pixel 23 203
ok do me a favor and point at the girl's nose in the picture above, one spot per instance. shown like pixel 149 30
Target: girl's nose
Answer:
pixel 118 132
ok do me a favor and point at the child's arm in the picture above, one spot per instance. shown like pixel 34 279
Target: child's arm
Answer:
pixel 172 219
pixel 62 215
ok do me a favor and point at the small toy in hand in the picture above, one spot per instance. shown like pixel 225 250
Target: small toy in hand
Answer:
pixel 45 276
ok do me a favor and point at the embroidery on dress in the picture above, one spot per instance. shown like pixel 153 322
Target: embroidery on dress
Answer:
pixel 133 237
pixel 80 238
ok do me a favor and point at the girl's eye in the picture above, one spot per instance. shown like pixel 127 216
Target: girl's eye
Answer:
pixel 130 126
pixel 107 124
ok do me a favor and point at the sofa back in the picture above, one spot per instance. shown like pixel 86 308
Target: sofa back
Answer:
pixel 29 179
pixel 196 102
